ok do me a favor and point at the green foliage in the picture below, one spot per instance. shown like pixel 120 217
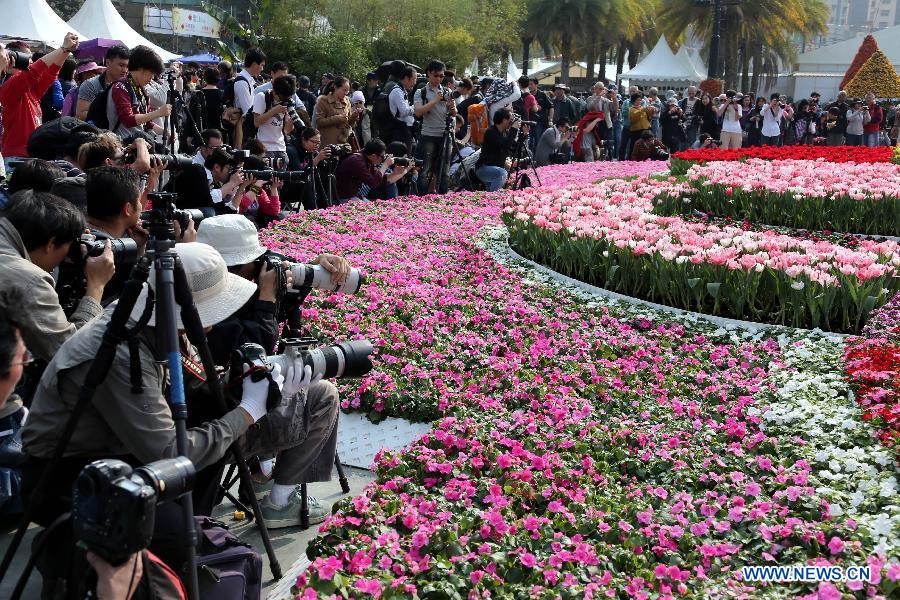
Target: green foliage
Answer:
pixel 337 51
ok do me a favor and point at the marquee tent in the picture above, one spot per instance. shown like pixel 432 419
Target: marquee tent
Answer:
pixel 685 57
pixel 698 63
pixel 100 19
pixel 203 59
pixel 34 21
pixel 662 69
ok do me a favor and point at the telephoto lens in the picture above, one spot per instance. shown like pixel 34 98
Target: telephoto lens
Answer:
pixel 347 359
pixel 315 276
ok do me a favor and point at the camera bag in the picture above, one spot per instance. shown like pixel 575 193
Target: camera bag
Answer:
pixel 227 568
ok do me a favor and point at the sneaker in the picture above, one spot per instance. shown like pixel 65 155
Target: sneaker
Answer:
pixel 289 515
pixel 261 489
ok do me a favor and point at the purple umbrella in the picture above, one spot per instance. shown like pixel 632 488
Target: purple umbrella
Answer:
pixel 96 48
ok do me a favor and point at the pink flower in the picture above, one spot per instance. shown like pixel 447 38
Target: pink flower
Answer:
pixel 827 591
pixel 527 560
pixel 369 586
pixel 835 545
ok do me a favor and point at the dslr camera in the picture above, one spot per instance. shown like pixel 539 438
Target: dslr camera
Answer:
pixel 339 150
pixel 18 60
pixel 114 508
pixel 310 276
pixel 174 162
pixel 159 220
pixel 404 161
pixel 70 286
pixel 285 176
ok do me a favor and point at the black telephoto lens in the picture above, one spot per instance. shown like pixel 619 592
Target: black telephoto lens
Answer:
pixel 171 477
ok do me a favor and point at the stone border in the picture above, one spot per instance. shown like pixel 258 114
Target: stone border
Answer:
pixel 597 291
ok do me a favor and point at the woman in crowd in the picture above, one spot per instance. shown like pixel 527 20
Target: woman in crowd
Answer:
pixel 335 118
pixel 755 123
pixel 128 110
pixel 707 114
pixel 261 202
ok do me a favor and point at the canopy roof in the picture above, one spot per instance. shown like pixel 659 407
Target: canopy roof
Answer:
pixel 687 60
pixel 100 19
pixel 34 21
pixel 203 59
pixel 837 57
pixel 661 66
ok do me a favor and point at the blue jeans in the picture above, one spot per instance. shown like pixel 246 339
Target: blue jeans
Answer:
pixel 872 138
pixel 770 140
pixel 852 139
pixel 493 177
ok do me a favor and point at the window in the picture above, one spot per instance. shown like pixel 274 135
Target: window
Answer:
pixel 885 13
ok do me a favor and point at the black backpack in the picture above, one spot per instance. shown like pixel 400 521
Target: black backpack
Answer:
pixel 97 110
pixel 249 127
pixel 382 117
pixel 228 98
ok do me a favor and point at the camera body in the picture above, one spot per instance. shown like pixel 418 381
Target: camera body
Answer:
pixel 339 151
pixel 174 162
pixel 114 508
pixel 312 276
pixel 346 359
pixel 404 161
pixel 18 60
pixel 285 176
pixel 159 220
pixel 71 283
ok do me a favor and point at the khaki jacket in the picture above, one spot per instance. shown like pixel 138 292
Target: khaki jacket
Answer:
pixel 45 326
pixel 117 421
pixel 334 119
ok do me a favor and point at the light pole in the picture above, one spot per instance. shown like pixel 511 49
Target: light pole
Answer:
pixel 712 70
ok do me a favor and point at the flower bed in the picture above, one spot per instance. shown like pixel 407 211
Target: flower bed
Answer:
pixel 682 161
pixel 584 172
pixel 873 369
pixel 855 198
pixel 579 450
pixel 605 234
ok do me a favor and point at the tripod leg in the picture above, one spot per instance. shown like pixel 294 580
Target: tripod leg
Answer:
pixel 304 507
pixel 345 485
pixel 194 328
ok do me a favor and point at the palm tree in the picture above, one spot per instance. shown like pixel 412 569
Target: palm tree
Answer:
pixel 566 22
pixel 759 33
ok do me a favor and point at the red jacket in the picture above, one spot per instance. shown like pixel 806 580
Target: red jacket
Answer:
pixel 584 122
pixel 877 114
pixel 20 97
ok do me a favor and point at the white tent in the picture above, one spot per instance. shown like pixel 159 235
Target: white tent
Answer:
pixel 34 21
pixel 684 56
pixel 661 68
pixel 100 19
pixel 698 63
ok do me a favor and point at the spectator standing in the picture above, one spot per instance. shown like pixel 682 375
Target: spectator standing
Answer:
pixel 872 129
pixel 672 124
pixel 212 99
pixel 654 100
pixel 563 106
pixel 524 106
pixel 688 105
pixel 280 69
pixel 116 69
pixel 729 113
pixel 543 109
pixel 835 134
pixel 85 71
pixel 128 110
pixel 707 114
pixel 857 117
pixel 225 72
pixel 639 114
pixel 53 99
pixel 269 116
pixel 245 82
pixel 334 117
pixel 771 124
pixel 20 97
pixel 306 97
pixel 432 104
pixel 755 123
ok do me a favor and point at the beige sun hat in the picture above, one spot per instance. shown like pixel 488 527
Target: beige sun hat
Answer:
pixel 217 293
pixel 234 236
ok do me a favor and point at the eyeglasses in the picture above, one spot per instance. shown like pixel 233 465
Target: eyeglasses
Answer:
pixel 26 360
pixel 436 75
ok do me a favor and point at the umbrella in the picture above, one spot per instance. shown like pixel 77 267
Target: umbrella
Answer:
pixel 96 48
pixel 203 59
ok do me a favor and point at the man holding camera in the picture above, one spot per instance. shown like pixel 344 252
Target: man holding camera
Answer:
pixel 20 96
pixel 269 110
pixel 491 166
pixel 433 103
pixel 136 424
pixel 554 146
pixel 116 62
pixel 37 230
pixel 771 115
pixel 216 187
pixel 366 170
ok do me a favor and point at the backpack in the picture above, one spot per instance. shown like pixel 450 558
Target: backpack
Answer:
pixel 249 127
pixel 519 105
pixel 227 568
pixel 70 102
pixel 382 117
pixel 478 122
pixel 228 97
pixel 97 111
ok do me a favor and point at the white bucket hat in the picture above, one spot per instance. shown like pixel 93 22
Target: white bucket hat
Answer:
pixel 217 293
pixel 234 236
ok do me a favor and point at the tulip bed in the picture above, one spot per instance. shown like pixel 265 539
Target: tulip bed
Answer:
pixel 607 234
pixel 853 198
pixel 581 448
pixel 682 161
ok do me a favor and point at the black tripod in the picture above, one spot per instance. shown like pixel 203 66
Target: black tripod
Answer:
pixel 521 152
pixel 172 288
pixel 176 100
pixel 450 149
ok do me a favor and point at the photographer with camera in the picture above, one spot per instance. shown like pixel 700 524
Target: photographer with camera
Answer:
pixel 366 170
pixel 20 95
pixel 261 201
pixel 137 425
pixel 392 114
pixel 554 147
pixel 334 116
pixel 433 103
pixel 705 142
pixel 649 148
pixel 36 232
pixel 672 125
pixel 771 127
pixel 491 166
pixel 729 112
pixel 216 187
pixel 107 149
pixel 270 107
